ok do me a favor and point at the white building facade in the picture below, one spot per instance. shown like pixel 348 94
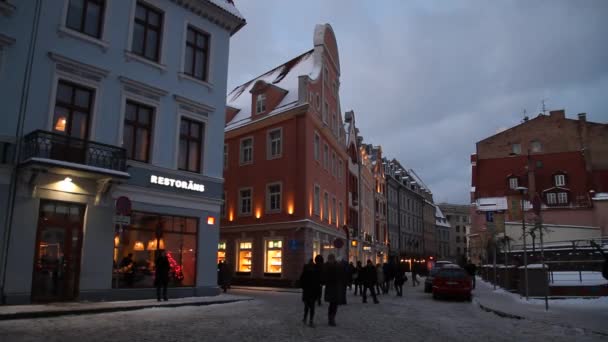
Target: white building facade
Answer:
pixel 104 99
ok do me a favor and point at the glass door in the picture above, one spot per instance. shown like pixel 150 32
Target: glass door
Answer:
pixel 57 256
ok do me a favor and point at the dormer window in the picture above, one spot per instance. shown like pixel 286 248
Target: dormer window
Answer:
pixel 516 149
pixel 559 180
pixel 536 146
pixel 513 183
pixel 260 104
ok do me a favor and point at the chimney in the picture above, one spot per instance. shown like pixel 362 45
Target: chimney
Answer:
pixel 582 117
pixel 558 114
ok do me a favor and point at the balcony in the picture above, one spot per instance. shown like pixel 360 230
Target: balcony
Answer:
pixel 69 152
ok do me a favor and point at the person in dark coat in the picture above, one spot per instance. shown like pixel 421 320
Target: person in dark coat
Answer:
pixel 350 277
pixel 334 278
pixel 400 278
pixel 388 276
pixel 471 270
pixel 369 281
pixel 359 278
pixel 319 266
pixel 310 281
pixel 161 278
pixel 225 275
pixel 414 275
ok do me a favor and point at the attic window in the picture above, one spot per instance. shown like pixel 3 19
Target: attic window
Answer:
pixel 513 183
pixel 516 149
pixel 536 146
pixel 560 180
pixel 260 104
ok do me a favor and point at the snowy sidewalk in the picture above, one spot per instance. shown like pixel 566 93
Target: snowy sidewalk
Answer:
pixel 589 314
pixel 80 308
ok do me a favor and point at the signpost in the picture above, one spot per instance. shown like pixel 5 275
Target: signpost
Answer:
pixel 536 206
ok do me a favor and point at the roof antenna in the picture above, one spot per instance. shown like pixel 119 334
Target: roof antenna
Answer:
pixel 543 104
pixel 525 115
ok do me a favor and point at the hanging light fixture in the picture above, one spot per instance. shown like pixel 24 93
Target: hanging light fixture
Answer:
pixel 152 244
pixel 138 246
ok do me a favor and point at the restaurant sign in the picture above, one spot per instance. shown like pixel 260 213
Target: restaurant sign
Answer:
pixel 176 183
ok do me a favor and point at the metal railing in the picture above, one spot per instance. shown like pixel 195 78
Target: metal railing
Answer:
pixel 48 145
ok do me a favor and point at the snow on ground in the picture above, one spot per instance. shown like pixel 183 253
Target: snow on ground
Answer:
pixel 276 316
pixel 568 278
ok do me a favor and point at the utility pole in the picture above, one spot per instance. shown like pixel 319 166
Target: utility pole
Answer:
pixel 523 190
pixel 536 204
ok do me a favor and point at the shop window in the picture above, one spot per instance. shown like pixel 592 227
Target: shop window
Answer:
pixel 245 249
pixel 138 246
pixel 221 252
pixel 274 256
pixel 316 248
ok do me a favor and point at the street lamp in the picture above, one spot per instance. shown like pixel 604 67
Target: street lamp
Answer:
pixel 522 190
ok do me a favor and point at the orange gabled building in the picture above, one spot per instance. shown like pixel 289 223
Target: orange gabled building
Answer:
pixel 285 168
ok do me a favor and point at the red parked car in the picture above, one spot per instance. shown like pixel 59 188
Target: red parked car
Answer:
pixel 453 281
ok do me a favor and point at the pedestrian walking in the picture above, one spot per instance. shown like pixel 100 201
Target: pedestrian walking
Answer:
pixel 319 266
pixel 471 270
pixel 334 278
pixel 415 281
pixel 225 275
pixel 350 277
pixel 388 277
pixel 379 279
pixel 369 281
pixel 359 279
pixel 400 278
pixel 161 276
pixel 310 281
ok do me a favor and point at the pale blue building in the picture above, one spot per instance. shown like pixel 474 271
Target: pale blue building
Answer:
pixel 103 99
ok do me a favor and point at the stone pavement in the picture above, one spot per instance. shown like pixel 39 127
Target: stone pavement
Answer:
pixel 8 312
pixel 589 314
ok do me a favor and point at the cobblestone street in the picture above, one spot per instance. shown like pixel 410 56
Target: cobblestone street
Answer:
pixel 276 316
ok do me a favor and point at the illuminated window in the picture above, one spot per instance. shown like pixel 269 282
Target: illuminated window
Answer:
pixel 245 249
pixel 221 252
pixel 274 256
pixel 316 248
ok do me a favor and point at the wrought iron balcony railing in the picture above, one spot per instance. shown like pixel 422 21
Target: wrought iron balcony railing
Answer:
pixel 48 145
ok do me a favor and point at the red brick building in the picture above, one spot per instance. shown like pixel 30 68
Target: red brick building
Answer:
pixel 285 168
pixel 562 161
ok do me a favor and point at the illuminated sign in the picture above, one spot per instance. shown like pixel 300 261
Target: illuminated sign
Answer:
pixel 176 183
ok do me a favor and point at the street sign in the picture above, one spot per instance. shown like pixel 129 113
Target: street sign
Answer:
pixel 122 219
pixel 489 216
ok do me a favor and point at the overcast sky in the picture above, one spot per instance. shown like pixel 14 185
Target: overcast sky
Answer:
pixel 428 79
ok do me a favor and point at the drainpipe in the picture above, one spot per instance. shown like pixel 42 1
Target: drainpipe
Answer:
pixel 18 142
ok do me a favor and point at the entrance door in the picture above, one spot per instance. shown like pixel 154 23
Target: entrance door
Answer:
pixel 57 256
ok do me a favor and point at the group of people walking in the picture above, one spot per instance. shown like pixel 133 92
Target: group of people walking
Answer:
pixel 338 276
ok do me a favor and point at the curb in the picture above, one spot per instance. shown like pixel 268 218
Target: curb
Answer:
pixel 498 312
pixel 266 289
pixel 76 312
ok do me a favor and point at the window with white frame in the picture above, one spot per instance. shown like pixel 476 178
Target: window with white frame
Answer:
pixel 245 201
pixel 516 148
pixel 86 16
pixel 551 198
pixel 316 199
pixel 536 146
pixel 225 156
pixel 326 212
pixel 274 143
pixel 246 151
pixel 560 180
pixel 260 103
pixel 333 164
pixel 562 197
pixel 317 146
pixel 513 183
pixel 334 208
pixel 326 156
pixel 273 197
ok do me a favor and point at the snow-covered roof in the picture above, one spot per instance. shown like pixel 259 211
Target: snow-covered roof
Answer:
pixel 491 203
pixel 440 218
pixel 601 196
pixel 285 76
pixel 228 6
